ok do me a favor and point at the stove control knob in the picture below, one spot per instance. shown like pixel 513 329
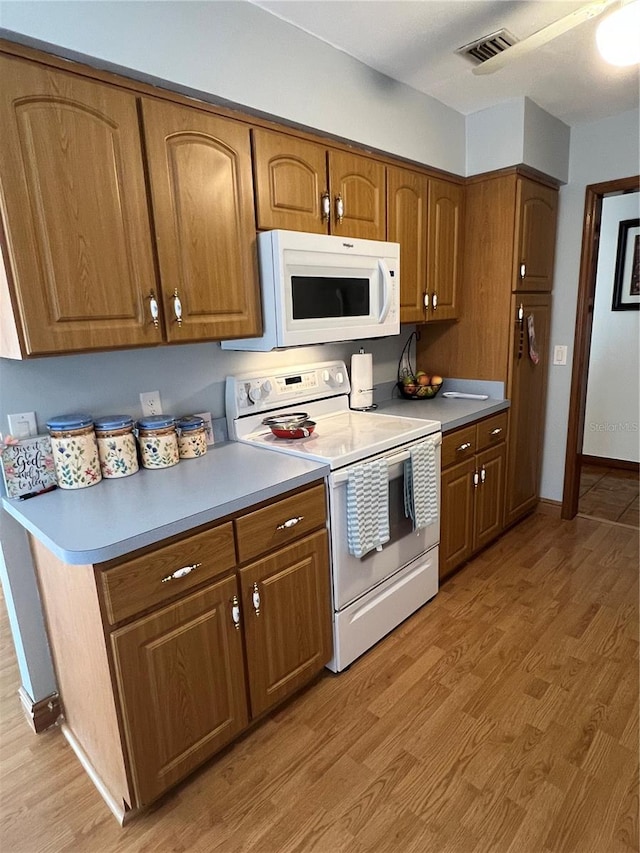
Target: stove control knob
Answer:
pixel 242 394
pixel 326 376
pixel 255 393
pixel 339 378
pixel 266 388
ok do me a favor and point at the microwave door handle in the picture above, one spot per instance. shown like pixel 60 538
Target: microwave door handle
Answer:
pixel 387 290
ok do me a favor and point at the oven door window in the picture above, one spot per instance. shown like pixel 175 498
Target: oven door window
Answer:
pixel 319 297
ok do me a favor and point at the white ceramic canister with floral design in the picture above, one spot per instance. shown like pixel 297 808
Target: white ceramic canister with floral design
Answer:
pixel 116 446
pixel 158 441
pixel 192 437
pixel 75 450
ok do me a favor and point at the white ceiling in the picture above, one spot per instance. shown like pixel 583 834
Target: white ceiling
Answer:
pixel 414 41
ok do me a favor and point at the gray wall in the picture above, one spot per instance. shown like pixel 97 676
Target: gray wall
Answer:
pixel 600 151
pixel 240 53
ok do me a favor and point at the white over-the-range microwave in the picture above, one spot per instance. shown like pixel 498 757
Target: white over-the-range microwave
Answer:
pixel 318 289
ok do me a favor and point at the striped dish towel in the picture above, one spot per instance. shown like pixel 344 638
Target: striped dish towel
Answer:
pixel 368 507
pixel 421 485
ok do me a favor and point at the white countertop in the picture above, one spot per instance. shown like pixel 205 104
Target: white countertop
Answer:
pixel 117 516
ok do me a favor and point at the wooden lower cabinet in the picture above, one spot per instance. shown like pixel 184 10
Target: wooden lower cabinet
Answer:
pixel 472 490
pixel 287 620
pixel 180 676
pixel 164 656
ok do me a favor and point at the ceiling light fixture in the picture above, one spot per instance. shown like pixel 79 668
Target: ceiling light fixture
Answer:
pixel 618 36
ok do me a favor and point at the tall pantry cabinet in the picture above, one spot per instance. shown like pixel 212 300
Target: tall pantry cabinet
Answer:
pixel 503 333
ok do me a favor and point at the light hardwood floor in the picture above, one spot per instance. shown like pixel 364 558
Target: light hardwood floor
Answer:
pixel 503 716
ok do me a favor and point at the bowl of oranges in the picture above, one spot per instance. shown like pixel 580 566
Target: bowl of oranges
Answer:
pixel 419 385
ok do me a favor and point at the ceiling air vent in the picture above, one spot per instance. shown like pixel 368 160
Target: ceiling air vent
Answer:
pixel 488 46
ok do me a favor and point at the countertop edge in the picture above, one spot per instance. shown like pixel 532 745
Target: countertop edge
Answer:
pixel 156 535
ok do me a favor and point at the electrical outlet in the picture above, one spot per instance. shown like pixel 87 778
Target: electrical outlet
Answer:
pixel 150 402
pixel 208 425
pixel 22 425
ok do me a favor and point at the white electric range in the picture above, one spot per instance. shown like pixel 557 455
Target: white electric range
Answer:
pixel 374 593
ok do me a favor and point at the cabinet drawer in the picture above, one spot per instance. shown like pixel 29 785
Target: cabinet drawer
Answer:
pixel 147 581
pixel 280 523
pixel 492 431
pixel 458 445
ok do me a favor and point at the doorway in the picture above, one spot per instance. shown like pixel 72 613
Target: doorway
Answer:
pixel 595 193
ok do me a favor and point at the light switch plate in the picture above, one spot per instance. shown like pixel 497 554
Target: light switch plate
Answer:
pixel 22 425
pixel 560 354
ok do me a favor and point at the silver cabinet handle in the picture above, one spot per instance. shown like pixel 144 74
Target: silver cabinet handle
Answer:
pixel 255 599
pixel 325 201
pixel 476 479
pixel 434 301
pixel 235 612
pixel 483 474
pixel 426 300
pixel 180 573
pixel 465 446
pixel 339 208
pixel 523 270
pixel 153 308
pixel 177 307
pixel 290 522
pixel 496 431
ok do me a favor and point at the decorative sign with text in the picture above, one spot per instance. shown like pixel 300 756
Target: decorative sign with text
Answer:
pixel 27 466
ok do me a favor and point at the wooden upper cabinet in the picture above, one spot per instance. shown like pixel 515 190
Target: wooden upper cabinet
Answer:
pixel 357 187
pixel 407 202
pixel 444 252
pixel 535 237
pixel 300 184
pixel 290 180
pixel 426 217
pixel 201 188
pixel 74 209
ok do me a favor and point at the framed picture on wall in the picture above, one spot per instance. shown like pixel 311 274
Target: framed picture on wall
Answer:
pixel 626 282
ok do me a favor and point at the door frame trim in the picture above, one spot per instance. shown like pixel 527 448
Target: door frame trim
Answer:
pixel 594 194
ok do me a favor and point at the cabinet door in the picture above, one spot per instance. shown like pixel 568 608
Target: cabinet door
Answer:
pixel 290 180
pixel 407 197
pixel 536 213
pixel 75 211
pixel 180 675
pixel 287 620
pixel 456 530
pixel 444 254
pixel 360 185
pixel 489 495
pixel 201 187
pixel 527 391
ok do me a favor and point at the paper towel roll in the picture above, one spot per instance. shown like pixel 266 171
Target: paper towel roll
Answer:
pixel 361 396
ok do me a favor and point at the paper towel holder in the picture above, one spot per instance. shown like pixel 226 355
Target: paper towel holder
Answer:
pixel 357 391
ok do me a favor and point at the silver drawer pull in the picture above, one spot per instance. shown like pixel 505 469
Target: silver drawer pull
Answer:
pixel 465 446
pixel 483 474
pixel 235 612
pixel 496 431
pixel 255 599
pixel 290 522
pixel 180 573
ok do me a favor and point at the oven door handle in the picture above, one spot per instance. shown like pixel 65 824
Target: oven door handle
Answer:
pixel 394 459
